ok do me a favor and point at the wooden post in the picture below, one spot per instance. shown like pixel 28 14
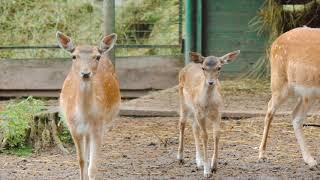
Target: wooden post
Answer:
pixel 109 23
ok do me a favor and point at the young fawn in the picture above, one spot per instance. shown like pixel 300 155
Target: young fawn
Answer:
pixel 295 70
pixel 89 99
pixel 199 91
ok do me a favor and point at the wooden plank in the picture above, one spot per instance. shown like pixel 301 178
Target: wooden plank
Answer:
pixel 135 73
pixel 125 94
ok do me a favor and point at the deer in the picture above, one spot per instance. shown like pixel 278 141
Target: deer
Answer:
pixel 200 96
pixel 295 71
pixel 89 99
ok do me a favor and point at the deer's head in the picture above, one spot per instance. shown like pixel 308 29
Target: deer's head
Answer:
pixel 212 65
pixel 86 58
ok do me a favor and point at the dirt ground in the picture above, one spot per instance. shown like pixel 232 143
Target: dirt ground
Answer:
pixel 145 148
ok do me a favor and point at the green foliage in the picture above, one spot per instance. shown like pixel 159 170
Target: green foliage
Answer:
pixel 149 22
pixel 20 151
pixel 64 134
pixel 15 120
pixel 34 22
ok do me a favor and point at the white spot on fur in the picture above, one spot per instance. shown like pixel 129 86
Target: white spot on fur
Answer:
pixel 306 91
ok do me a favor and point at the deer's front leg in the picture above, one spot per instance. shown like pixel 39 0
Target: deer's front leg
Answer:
pixel 216 137
pixel 95 143
pixel 202 124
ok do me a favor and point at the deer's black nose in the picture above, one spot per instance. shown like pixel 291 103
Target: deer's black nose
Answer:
pixel 85 74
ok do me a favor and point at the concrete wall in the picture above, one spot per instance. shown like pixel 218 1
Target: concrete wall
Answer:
pixel 44 77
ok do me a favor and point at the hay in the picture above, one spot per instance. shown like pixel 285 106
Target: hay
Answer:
pixel 273 19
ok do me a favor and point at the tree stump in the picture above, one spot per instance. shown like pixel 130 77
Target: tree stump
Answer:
pixel 44 131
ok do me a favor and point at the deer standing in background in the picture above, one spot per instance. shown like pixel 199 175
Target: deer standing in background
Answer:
pixel 199 91
pixel 90 98
pixel 295 70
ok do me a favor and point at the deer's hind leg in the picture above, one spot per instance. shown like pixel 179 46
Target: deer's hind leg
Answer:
pixel 278 97
pixel 184 113
pixel 299 114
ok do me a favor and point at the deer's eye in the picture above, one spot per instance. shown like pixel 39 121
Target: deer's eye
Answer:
pixel 219 68
pixel 203 68
pixel 74 57
pixel 98 57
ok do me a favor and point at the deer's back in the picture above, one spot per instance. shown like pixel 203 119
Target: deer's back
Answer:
pixel 295 57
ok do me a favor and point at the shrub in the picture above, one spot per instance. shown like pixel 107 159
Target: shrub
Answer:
pixel 16 119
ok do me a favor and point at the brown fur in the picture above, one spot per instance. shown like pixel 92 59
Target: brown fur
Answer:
pixel 295 69
pixel 89 99
pixel 199 92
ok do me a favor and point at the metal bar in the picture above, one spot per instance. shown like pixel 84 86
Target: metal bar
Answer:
pixel 146 46
pixel 308 125
pixel 117 46
pixel 29 47
pixel 109 23
pixel 199 27
pixel 188 29
pixel 180 22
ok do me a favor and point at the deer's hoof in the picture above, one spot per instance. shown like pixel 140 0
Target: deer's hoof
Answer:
pixel 207 174
pixel 313 165
pixel 181 161
pixel 262 159
pixel 214 169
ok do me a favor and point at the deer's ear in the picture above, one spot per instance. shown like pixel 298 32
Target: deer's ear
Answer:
pixel 196 57
pixel 229 57
pixel 108 43
pixel 65 42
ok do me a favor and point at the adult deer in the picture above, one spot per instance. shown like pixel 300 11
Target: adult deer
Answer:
pixel 295 70
pixel 199 91
pixel 89 99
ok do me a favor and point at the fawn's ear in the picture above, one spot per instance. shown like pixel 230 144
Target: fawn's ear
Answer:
pixel 229 57
pixel 65 42
pixel 108 42
pixel 196 57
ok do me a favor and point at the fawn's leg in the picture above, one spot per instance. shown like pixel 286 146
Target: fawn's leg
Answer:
pixel 202 124
pixel 216 136
pixel 196 134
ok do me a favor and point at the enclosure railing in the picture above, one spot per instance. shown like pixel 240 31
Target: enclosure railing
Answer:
pixel 137 36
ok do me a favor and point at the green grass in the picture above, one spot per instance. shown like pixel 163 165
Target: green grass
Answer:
pixel 19 151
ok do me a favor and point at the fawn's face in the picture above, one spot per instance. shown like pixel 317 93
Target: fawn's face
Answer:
pixel 211 68
pixel 86 58
pixel 211 65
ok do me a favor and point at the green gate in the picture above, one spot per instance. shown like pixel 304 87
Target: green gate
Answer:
pixel 220 26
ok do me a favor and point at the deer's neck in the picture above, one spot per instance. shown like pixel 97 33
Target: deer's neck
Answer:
pixel 207 93
pixel 85 94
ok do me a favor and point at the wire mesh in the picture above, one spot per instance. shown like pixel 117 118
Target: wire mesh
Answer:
pixel 144 27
